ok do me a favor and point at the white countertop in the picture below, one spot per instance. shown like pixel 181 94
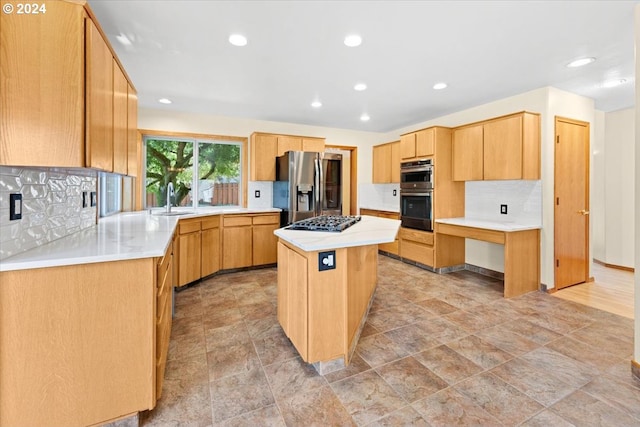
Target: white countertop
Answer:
pixel 368 231
pixel 116 238
pixel 489 225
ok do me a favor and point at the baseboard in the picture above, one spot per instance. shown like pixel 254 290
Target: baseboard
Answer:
pixel 484 271
pixel 617 267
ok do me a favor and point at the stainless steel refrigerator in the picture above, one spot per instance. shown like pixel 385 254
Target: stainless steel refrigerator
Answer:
pixel 307 185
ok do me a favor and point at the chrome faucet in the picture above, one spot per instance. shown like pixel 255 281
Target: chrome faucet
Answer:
pixel 170 194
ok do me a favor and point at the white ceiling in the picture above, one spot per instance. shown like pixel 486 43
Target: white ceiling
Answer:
pixel 484 50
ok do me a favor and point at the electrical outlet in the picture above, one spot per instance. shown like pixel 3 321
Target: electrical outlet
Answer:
pixel 326 260
pixel 503 209
pixel 93 199
pixel 257 194
pixel 15 206
pixel 85 199
pixel 395 192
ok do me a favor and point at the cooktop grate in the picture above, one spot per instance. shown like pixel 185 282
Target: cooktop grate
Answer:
pixel 332 223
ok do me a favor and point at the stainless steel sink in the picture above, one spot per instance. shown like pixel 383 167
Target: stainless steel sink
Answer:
pixel 172 213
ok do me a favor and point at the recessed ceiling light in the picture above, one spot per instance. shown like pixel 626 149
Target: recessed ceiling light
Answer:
pixel 353 40
pixel 238 40
pixel 360 87
pixel 316 104
pixel 365 117
pixel 439 86
pixel 580 62
pixel 614 83
pixel 164 101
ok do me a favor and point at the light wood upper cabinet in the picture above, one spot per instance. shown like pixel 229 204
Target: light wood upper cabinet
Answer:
pixel 289 143
pixel 120 118
pixel 64 96
pixel 386 163
pixel 502 148
pixel 99 131
pixel 134 144
pixel 266 147
pixel 42 114
pixel 418 144
pixel 467 154
pixel 381 164
pixel 425 142
pixel 313 145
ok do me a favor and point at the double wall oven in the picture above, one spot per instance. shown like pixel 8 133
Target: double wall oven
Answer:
pixel 416 194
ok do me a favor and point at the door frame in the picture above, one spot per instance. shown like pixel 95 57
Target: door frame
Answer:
pixel 587 189
pixel 353 184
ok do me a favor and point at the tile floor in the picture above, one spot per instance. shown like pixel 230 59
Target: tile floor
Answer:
pixel 439 350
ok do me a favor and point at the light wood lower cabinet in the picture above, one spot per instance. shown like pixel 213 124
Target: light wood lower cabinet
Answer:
pixel 392 248
pixel 248 240
pixel 83 344
pixel 210 246
pixel 416 245
pixel 321 311
pixel 164 305
pixel 189 243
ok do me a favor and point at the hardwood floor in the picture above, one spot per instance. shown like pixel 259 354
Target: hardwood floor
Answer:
pixel 612 291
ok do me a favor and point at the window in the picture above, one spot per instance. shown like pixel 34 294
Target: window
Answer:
pixel 203 172
pixel 110 193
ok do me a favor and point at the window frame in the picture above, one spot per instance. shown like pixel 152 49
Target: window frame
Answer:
pixel 195 139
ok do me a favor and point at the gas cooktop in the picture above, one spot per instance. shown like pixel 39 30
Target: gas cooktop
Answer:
pixel 332 223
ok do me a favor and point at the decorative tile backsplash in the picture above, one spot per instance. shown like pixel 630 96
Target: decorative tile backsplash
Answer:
pixel 51 206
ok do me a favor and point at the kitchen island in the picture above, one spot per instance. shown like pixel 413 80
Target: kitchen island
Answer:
pixel 326 282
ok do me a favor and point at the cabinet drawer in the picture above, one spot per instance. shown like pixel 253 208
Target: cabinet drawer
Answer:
pixel 424 237
pixel 210 222
pixel 416 252
pixel 189 226
pixel 266 219
pixel 236 221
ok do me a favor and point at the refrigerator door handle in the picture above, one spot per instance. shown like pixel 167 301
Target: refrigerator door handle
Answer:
pixel 319 185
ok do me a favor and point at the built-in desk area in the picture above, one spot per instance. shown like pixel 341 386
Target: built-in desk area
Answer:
pixel 521 248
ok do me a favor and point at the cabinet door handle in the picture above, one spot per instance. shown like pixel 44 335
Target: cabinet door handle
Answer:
pixel 583 212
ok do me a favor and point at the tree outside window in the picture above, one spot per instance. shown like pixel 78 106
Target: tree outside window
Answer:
pixel 174 160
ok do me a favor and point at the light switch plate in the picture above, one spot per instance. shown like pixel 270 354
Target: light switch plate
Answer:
pixel 503 209
pixel 15 206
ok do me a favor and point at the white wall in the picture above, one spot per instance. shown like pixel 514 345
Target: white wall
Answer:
pixel 619 153
pixel 636 352
pixel 597 208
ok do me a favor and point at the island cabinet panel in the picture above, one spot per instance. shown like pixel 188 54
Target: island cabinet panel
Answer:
pixel 326 302
pixel 322 312
pixel 292 297
pixel 42 113
pixel 78 343
pixel 361 281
